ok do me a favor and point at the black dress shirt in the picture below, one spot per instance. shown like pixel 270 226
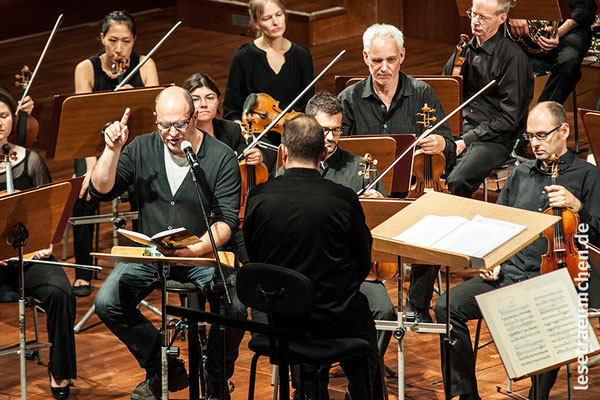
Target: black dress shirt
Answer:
pixel 501 111
pixel 142 165
pixel 365 113
pixel 525 189
pixel 317 227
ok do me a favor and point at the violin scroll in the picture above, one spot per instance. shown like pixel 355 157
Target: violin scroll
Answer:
pixel 368 166
pixel 24 77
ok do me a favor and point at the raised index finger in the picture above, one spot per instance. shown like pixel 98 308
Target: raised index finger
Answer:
pixel 125 116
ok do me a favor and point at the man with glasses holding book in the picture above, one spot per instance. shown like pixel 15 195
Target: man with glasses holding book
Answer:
pixel 156 166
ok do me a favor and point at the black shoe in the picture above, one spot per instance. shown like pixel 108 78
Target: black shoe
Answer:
pixel 213 391
pixel 151 388
pixel 421 315
pixel 60 393
pixel 178 377
pixel 148 390
pixel 470 396
pixel 82 290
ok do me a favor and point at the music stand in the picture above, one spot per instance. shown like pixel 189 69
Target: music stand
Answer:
pixel 33 219
pixel 448 205
pixel 78 119
pixel 382 148
pixel 136 255
pixel 591 126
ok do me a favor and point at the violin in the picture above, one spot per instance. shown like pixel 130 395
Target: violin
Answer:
pixel 119 67
pixel 27 127
pixel 562 251
pixel 458 60
pixel 258 114
pixel 427 168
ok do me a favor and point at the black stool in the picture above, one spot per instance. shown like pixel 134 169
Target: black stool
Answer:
pixel 284 293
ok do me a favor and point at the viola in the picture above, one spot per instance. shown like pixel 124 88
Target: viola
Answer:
pixel 427 168
pixel 562 250
pixel 258 114
pixel 382 271
pixel 252 175
pixel 27 128
pixel 458 59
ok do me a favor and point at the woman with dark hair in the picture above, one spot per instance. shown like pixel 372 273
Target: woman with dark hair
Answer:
pixel 100 71
pixel 206 97
pixel 270 64
pixel 47 283
pixel 104 71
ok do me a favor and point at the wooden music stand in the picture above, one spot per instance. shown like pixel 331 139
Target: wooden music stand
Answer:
pixel 32 219
pixel 78 119
pixel 549 10
pixel 591 126
pixel 448 205
pixel 382 148
pixel 135 255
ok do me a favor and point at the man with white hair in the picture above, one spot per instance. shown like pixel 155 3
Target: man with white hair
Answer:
pixel 387 102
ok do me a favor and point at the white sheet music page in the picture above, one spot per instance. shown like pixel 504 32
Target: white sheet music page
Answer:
pixel 475 238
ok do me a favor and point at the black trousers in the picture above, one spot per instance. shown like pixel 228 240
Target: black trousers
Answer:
pixel 381 308
pixel 564 64
pixel 464 308
pixel 474 164
pixel 50 285
pixel 422 279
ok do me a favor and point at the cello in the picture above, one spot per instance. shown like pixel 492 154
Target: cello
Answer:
pixel 427 168
pixel 562 250
pixel 457 65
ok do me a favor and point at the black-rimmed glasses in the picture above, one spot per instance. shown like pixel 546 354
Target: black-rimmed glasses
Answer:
pixel 539 135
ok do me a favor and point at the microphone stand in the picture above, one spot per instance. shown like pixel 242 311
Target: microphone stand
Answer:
pixel 219 286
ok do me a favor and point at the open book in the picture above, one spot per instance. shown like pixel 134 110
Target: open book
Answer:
pixel 475 238
pixel 538 324
pixel 171 239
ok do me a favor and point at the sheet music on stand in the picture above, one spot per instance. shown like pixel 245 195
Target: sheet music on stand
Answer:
pixel 538 324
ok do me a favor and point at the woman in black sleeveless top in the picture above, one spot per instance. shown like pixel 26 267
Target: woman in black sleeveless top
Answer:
pixel 48 283
pixel 101 72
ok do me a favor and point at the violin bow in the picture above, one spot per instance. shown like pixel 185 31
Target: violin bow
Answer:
pixel 37 67
pixel 292 104
pixel 140 65
pixel 422 136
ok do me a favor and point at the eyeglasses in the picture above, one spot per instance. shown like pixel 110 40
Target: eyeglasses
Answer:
pixel 179 125
pixel 474 15
pixel 539 135
pixel 334 131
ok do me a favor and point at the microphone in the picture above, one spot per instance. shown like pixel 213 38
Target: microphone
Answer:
pixel 191 156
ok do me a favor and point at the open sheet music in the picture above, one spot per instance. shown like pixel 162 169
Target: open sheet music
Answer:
pixel 475 238
pixel 536 324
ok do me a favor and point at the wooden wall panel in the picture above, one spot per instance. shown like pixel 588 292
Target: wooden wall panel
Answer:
pixel 25 17
pixel 435 20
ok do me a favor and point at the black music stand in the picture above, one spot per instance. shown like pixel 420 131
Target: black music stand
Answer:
pixel 32 219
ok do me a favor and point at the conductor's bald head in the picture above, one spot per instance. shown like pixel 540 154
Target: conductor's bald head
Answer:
pixel 304 140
